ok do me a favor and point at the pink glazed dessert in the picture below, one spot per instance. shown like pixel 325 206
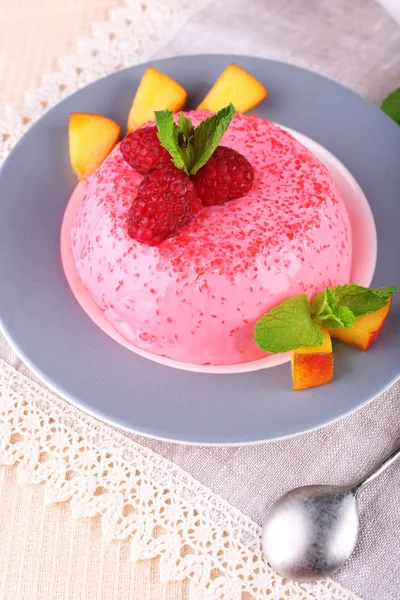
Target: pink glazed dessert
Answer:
pixel 196 297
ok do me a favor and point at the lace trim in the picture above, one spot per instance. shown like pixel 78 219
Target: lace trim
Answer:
pixel 131 35
pixel 140 495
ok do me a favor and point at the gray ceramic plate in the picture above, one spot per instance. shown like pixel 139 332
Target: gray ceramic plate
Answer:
pixel 43 321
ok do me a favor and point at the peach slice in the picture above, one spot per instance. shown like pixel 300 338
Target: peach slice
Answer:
pixel 156 91
pixel 365 329
pixel 91 139
pixel 234 85
pixel 313 366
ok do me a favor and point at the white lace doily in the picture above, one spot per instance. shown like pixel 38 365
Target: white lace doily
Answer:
pixel 130 36
pixel 139 494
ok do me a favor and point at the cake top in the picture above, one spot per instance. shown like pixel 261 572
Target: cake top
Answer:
pixel 289 196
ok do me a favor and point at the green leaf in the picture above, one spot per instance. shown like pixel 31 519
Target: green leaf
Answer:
pixel 386 292
pixel 168 136
pixel 185 127
pixel 391 105
pixel 361 300
pixel 327 312
pixel 287 327
pixel 186 140
pixel 332 300
pixel 320 304
pixel 324 304
pixel 343 317
pixel 208 135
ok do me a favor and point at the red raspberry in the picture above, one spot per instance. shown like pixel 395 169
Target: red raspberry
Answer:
pixel 142 149
pixel 227 175
pixel 166 201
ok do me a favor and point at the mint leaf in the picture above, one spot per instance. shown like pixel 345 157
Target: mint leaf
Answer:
pixel 385 292
pixel 168 135
pixel 361 300
pixel 327 312
pixel 319 304
pixel 391 106
pixel 186 140
pixel 186 128
pixel 332 300
pixel 208 135
pixel 343 317
pixel 287 327
pixel 324 304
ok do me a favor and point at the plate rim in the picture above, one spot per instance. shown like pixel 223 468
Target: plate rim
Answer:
pixel 103 419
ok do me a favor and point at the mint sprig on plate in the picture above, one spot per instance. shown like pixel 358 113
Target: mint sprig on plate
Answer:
pixel 190 147
pixel 297 324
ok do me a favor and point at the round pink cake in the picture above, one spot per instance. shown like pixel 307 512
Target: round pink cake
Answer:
pixel 196 297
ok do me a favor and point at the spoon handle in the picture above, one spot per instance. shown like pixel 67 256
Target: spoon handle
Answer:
pixel 372 475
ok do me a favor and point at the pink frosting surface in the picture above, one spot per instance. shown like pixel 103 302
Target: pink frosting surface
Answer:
pixel 195 298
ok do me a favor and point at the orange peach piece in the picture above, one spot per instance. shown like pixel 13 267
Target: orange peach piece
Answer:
pixel 156 91
pixel 313 366
pixel 234 85
pixel 365 329
pixel 91 139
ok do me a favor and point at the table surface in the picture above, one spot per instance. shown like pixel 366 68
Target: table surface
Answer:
pixel 43 545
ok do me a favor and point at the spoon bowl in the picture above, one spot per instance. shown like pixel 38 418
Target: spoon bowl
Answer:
pixel 311 531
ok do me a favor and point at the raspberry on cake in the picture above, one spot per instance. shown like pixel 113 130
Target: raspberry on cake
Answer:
pixel 165 202
pixel 226 175
pixel 196 296
pixel 142 150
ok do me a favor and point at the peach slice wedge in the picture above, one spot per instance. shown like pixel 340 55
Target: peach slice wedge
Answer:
pixel 91 139
pixel 234 85
pixel 156 91
pixel 312 367
pixel 365 329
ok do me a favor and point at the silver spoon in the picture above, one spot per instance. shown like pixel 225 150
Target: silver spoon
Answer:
pixel 311 531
